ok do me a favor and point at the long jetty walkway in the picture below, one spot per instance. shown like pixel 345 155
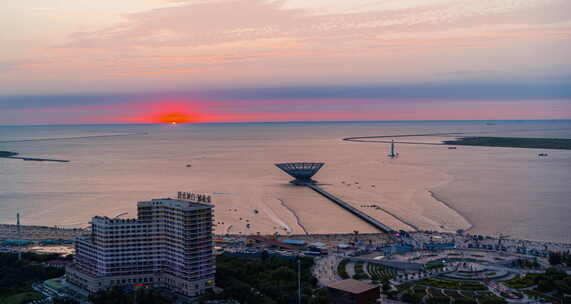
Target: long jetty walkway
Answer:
pixel 371 221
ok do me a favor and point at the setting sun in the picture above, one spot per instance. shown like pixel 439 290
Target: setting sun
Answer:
pixel 174 118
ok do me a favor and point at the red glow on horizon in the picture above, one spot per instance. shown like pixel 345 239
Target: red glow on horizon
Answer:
pixel 169 113
pixel 174 118
pixel 215 111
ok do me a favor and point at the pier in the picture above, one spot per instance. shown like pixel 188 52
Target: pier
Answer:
pixel 371 221
pixel 303 173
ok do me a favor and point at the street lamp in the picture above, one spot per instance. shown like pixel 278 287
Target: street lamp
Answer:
pixel 298 279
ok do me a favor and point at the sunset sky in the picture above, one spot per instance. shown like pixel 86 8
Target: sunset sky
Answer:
pixel 153 61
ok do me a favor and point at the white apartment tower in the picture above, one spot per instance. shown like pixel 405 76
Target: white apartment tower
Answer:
pixel 168 245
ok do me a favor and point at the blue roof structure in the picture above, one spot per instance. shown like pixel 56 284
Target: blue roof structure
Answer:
pixel 294 242
pixel 440 245
pixel 302 172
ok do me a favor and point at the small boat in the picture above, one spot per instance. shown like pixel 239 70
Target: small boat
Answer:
pixel 452 148
pixel 542 154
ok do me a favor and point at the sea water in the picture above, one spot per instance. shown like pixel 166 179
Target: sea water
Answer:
pixel 487 190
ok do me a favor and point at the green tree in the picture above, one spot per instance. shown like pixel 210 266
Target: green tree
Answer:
pixel 265 255
pixel 272 280
pixel 411 297
pixel 438 300
pixel 17 276
pixel 555 258
pixel 66 300
pixel 121 296
pixel 321 296
pixel 386 285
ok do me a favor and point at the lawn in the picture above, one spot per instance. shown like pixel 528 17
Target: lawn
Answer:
pixel 54 284
pixel 521 282
pixel 491 300
pixel 538 295
pixel 359 271
pixel 341 271
pixel 449 284
pixel 411 296
pixel 381 272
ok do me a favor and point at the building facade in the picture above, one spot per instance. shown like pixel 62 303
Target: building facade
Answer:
pixel 168 245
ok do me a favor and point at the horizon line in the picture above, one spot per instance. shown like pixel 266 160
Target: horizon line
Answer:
pixel 291 122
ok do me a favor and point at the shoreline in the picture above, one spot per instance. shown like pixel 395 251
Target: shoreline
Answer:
pixel 438 199
pixel 71 233
pixel 492 139
pixel 414 227
pixel 297 219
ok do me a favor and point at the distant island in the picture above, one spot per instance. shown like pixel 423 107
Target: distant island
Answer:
pixel 7 154
pixel 12 155
pixel 512 142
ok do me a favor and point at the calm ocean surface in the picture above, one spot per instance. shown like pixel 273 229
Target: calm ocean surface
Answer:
pixel 493 190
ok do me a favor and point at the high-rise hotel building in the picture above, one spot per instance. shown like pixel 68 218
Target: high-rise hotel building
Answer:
pixel 168 245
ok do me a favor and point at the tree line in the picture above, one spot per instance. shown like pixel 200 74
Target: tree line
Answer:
pixel 268 280
pixel 17 276
pixel 560 258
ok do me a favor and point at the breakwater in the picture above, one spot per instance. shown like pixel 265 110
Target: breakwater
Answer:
pixel 37 159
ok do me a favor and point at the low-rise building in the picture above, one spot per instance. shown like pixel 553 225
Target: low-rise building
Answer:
pixel 353 292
